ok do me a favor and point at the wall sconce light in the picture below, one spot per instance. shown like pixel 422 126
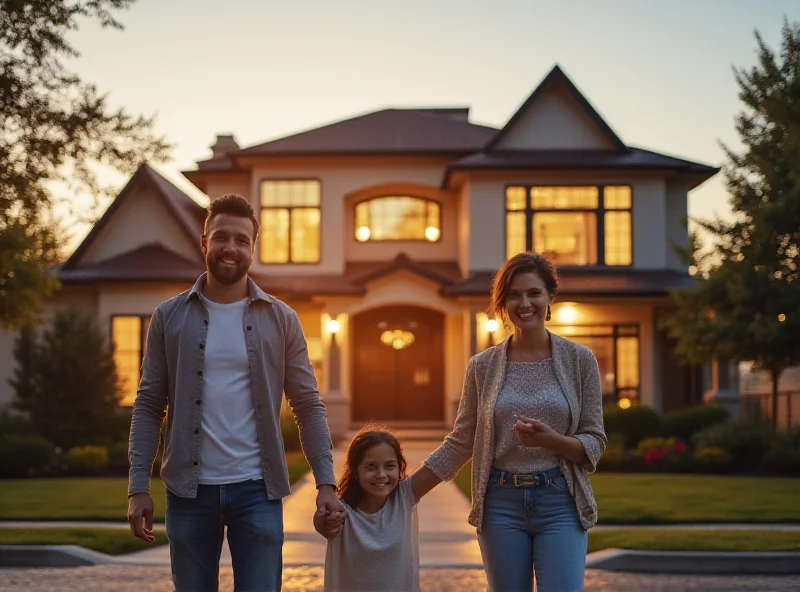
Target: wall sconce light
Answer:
pixel 492 325
pixel 332 326
pixel 567 314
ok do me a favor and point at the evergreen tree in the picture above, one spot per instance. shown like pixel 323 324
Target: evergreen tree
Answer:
pixel 67 383
pixel 746 303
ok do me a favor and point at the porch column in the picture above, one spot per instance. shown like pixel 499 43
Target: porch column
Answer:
pixel 337 401
pixel 724 386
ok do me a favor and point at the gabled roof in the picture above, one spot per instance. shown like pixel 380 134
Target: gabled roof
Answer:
pixel 389 131
pixel 441 272
pixel 590 282
pixel 152 262
pixel 632 159
pixel 557 77
pixel 188 213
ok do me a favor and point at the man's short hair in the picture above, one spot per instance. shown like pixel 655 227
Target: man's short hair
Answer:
pixel 233 205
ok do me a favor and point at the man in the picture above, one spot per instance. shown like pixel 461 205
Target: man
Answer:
pixel 218 360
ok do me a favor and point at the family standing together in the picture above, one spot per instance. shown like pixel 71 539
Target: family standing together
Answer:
pixel 219 360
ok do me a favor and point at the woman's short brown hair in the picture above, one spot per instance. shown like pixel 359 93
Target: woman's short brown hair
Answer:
pixel 522 263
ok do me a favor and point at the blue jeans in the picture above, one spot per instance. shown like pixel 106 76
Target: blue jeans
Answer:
pixel 255 537
pixel 533 527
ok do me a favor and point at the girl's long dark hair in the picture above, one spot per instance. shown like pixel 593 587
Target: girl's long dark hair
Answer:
pixel 368 437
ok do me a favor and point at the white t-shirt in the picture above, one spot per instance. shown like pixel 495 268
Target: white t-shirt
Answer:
pixel 377 551
pixel 229 449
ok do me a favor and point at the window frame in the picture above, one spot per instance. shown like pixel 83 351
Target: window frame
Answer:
pixel 426 200
pixel 599 212
pixel 144 319
pixel 617 330
pixel 289 209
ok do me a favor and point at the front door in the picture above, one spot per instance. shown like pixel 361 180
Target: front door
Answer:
pixel 398 364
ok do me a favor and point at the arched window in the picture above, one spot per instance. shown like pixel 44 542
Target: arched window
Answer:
pixel 398 218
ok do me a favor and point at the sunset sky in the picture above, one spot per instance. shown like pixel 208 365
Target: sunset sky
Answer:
pixel 659 72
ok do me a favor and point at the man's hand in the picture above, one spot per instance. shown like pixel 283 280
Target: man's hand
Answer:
pixel 140 516
pixel 327 500
pixel 330 514
pixel 329 524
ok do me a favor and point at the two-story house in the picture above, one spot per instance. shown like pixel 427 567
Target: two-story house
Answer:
pixel 383 231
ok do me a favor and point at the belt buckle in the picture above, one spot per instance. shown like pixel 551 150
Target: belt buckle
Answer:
pixel 526 480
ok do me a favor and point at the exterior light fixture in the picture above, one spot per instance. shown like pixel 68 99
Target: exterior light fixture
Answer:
pixel 492 325
pixel 332 326
pixel 567 314
pixel 432 234
pixel 363 233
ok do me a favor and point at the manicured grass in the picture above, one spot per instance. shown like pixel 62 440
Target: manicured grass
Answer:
pixel 113 541
pixel 694 540
pixel 670 499
pixel 101 498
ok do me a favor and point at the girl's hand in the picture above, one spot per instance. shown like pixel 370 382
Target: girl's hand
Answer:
pixel 329 524
pixel 532 432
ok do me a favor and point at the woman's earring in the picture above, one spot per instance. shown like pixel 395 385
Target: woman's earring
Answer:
pixel 547 316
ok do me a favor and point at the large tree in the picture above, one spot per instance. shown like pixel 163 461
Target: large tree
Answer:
pixel 54 128
pixel 746 303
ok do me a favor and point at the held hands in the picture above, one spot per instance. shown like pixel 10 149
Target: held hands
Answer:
pixel 532 432
pixel 328 524
pixel 330 514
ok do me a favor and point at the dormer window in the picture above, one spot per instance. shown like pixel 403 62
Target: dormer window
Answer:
pixel 581 225
pixel 399 218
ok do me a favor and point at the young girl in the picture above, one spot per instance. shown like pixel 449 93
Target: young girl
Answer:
pixel 374 544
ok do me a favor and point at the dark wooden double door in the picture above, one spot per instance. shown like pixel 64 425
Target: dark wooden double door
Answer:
pixel 403 383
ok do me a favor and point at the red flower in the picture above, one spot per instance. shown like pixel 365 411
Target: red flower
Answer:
pixel 655 455
pixel 680 447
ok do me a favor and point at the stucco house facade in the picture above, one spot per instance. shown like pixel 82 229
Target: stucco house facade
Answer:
pixel 383 232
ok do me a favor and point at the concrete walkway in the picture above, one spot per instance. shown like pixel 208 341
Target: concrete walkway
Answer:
pixel 446 540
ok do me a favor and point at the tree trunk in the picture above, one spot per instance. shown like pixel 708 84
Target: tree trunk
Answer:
pixel 776 374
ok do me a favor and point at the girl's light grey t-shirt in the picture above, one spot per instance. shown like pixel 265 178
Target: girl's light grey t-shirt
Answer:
pixel 377 551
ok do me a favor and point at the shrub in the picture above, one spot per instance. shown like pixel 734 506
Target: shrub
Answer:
pixel 613 458
pixel 668 454
pixel 633 424
pixel 712 459
pixel 26 456
pixel 783 456
pixel 746 441
pixel 289 430
pixel 685 423
pixel 13 424
pixel 87 459
pixel 118 457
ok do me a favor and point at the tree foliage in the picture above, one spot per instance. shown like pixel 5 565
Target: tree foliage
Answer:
pixel 746 303
pixel 55 129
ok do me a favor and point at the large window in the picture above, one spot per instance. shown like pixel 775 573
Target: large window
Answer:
pixel 290 221
pixel 398 218
pixel 129 334
pixel 584 225
pixel 616 348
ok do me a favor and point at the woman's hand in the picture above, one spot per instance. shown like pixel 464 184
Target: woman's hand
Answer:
pixel 532 432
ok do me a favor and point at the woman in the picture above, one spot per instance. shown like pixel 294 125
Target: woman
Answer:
pixel 531 419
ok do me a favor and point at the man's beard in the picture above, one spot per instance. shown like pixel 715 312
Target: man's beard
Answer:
pixel 226 274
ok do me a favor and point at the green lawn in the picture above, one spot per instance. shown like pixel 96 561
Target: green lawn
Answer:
pixel 693 540
pixel 665 499
pixel 101 498
pixel 115 541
